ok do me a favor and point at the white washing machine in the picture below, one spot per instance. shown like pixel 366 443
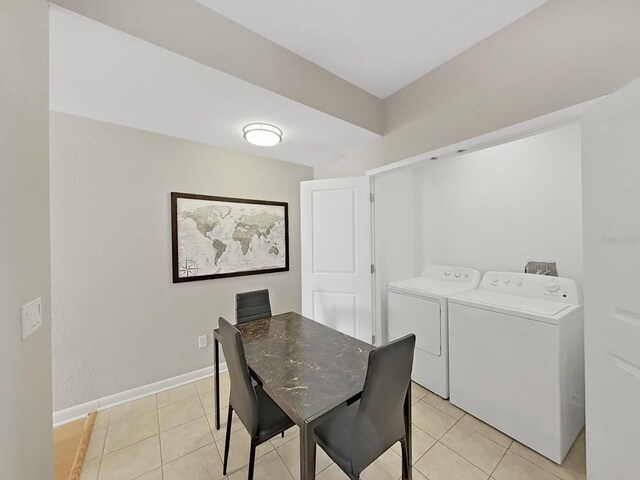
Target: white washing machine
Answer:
pixel 419 305
pixel 517 358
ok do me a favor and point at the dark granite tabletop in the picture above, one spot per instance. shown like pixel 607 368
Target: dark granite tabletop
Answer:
pixel 304 365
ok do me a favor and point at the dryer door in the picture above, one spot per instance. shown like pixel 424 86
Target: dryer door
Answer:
pixel 415 314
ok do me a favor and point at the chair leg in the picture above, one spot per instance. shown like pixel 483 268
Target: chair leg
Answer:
pixel 252 459
pixel 228 440
pixel 283 434
pixel 406 468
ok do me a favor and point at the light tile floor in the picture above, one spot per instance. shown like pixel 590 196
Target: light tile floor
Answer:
pixel 170 436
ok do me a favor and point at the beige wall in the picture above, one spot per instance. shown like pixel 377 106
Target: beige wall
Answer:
pixel 25 367
pixel 564 53
pixel 118 320
pixel 199 33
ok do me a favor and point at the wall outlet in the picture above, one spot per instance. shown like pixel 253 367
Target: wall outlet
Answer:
pixel 31 316
pixel 202 341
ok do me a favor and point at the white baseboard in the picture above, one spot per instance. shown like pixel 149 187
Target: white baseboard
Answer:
pixel 79 411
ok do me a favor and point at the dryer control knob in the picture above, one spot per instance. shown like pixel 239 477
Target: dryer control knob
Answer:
pixel 447 273
pixel 518 281
pixel 552 287
pixel 457 274
pixel 506 281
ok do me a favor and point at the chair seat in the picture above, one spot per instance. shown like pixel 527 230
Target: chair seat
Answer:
pixel 335 436
pixel 271 419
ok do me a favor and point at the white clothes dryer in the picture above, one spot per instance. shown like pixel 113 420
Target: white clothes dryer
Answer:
pixel 419 305
pixel 517 358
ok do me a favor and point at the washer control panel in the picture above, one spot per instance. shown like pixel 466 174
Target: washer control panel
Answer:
pixel 557 289
pixel 452 273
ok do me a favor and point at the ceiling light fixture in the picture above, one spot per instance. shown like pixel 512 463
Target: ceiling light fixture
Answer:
pixel 262 134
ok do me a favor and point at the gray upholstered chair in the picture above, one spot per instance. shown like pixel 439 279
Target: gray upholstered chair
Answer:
pixel 260 415
pixel 252 306
pixel 363 431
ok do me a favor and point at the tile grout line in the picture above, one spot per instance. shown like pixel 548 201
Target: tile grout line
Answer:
pixel 159 438
pixel 177 458
pixel 187 421
pixel 507 449
pixel 535 465
pixel 499 462
pixel 442 411
pixel 282 459
pixel 416 460
pixel 481 434
pixel 198 448
pixel 104 453
pixel 466 460
pixel 437 440
pixel 207 419
pixel 478 466
pixel 275 449
pixel 130 444
pixel 159 443
pixel 135 443
pixel 414 426
pixel 157 409
pixel 484 436
pixel 213 435
pixel 423 399
pixel 511 440
pixel 104 444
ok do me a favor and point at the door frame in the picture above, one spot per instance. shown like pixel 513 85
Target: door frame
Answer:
pixel 528 128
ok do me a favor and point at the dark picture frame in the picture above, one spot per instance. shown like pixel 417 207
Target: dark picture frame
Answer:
pixel 182 273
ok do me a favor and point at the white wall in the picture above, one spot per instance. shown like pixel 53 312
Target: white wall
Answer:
pixel 498 208
pixel 564 53
pixel 398 247
pixel 494 209
pixel 118 321
pixel 214 40
pixel 25 367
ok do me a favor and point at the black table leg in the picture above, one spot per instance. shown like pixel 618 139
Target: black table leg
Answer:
pixel 407 466
pixel 216 376
pixel 307 453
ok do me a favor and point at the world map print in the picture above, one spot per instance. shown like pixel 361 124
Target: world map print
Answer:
pixel 228 237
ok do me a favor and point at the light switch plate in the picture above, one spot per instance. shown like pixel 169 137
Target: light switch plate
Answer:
pixel 202 341
pixel 31 317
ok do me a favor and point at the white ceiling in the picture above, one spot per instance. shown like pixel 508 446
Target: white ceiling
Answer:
pixel 378 45
pixel 102 73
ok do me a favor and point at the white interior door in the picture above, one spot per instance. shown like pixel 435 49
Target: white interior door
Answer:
pixel 611 192
pixel 336 254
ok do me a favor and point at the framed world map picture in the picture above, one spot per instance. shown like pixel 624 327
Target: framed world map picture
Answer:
pixel 217 237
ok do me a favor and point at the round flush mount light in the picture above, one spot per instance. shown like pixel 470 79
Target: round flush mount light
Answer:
pixel 262 134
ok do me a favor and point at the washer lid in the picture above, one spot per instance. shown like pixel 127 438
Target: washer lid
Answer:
pixel 430 287
pixel 527 307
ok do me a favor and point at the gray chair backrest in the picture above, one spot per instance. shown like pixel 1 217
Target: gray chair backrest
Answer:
pixel 252 306
pixel 243 397
pixel 379 422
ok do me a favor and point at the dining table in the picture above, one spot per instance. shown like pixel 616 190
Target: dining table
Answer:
pixel 310 370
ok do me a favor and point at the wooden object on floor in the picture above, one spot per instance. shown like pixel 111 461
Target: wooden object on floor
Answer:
pixel 70 444
pixel 66 439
